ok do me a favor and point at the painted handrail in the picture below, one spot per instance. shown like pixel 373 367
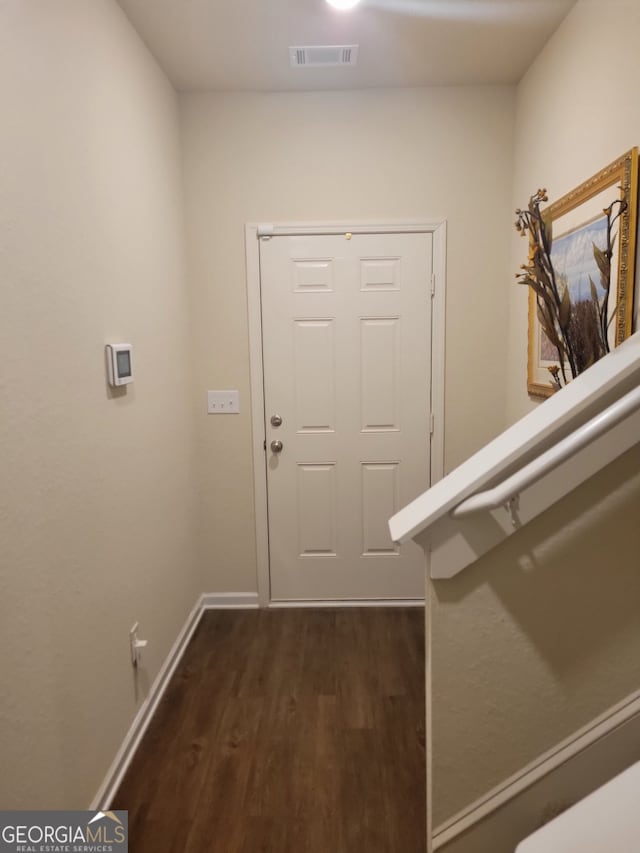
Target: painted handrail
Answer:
pixel 544 426
pixel 567 447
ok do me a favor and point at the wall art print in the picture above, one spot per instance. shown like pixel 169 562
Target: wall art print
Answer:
pixel 580 273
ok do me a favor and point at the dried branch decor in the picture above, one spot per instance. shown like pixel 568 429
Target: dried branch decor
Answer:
pixel 578 330
pixel 579 273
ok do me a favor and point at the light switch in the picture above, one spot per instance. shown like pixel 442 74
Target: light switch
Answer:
pixel 223 402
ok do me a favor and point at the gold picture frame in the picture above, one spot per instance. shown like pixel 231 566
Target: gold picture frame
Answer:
pixel 577 221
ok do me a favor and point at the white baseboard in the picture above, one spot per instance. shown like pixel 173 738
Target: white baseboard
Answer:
pixel 565 774
pixel 369 602
pixel 131 742
pixel 229 601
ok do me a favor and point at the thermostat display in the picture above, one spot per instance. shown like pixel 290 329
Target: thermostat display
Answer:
pixel 123 360
pixel 119 366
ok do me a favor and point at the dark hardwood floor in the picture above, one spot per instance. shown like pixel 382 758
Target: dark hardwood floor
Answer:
pixel 287 731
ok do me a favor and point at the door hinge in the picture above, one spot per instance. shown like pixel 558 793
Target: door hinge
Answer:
pixel 264 444
pixel 432 423
pixel 433 284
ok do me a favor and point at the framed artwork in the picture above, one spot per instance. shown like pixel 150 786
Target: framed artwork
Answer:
pixel 584 228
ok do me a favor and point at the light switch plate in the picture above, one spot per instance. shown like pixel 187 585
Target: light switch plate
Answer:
pixel 223 402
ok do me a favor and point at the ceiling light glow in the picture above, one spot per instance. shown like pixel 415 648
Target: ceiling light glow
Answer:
pixel 343 5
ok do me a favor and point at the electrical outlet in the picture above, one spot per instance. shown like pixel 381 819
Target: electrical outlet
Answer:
pixel 136 645
pixel 223 402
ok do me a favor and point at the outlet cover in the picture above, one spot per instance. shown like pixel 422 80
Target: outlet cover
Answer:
pixel 223 402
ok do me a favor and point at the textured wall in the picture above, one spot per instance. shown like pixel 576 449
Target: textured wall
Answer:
pixel 96 496
pixel 543 634
pixel 576 113
pixel 370 155
pixel 537 638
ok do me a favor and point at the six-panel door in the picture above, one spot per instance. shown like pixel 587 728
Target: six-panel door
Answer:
pixel 347 347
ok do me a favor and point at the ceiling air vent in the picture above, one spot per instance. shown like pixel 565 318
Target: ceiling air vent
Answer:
pixel 323 55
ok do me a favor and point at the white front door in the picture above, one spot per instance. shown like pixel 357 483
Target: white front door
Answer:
pixel 347 376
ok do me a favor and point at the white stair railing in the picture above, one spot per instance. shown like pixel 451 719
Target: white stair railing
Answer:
pixel 509 490
pixel 535 463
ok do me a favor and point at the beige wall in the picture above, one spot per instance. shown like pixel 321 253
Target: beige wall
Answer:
pixel 542 634
pixel 98 512
pixel 576 113
pixel 537 638
pixel 96 497
pixel 370 155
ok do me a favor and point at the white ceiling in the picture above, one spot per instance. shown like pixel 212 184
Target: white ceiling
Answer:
pixel 243 44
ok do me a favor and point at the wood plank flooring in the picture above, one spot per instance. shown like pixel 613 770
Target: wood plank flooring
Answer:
pixel 287 731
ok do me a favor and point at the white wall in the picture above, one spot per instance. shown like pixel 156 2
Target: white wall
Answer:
pixel 96 497
pixel 369 155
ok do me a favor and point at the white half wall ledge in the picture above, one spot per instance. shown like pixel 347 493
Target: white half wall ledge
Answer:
pixel 608 819
pixel 558 416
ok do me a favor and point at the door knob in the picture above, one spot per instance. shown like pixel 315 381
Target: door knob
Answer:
pixel 276 421
pixel 276 446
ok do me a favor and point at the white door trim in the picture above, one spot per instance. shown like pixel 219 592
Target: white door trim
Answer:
pixel 253 231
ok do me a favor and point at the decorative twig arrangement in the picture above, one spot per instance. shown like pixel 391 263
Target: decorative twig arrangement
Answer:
pixel 578 331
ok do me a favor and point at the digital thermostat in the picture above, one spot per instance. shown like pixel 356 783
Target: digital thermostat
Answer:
pixel 119 366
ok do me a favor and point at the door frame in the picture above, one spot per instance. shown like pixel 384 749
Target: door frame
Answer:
pixel 253 233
